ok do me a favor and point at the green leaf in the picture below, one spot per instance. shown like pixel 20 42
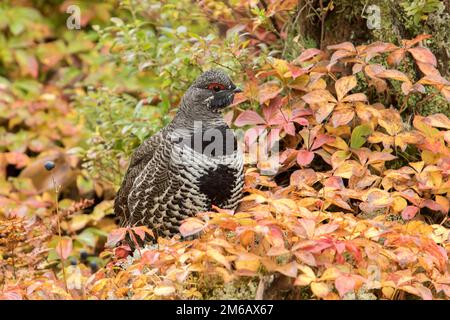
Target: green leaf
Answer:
pixel 359 136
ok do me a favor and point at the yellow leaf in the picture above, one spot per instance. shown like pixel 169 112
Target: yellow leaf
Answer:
pixel 330 274
pixel 388 292
pixel 345 170
pixel 284 205
pixel 164 290
pixel 303 280
pixel 307 271
pixel 430 157
pixel 247 262
pixel 218 257
pixel 399 204
pixel 320 289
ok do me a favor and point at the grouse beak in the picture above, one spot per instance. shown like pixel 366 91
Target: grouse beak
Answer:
pixel 237 90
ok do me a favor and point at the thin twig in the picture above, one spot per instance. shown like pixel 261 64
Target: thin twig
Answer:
pixel 63 260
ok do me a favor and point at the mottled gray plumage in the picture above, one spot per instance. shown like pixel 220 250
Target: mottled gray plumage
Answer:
pixel 171 176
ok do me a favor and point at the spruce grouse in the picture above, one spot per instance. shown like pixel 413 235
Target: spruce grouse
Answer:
pixel 188 166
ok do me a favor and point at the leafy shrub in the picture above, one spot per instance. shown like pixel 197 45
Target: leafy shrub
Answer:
pixel 356 208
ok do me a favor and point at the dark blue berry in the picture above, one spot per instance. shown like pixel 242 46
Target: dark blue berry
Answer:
pixel 73 261
pixel 49 165
pixel 83 255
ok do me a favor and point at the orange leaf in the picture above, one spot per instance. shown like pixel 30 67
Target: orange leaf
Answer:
pixel 348 46
pixel 393 74
pixel 307 54
pixel 319 96
pixel 438 120
pixel 427 69
pixel 409 212
pixel 355 97
pixel 141 231
pixel 64 248
pixel 342 116
pixel 423 55
pixel 344 85
pixel 396 57
pixel 218 257
pixel 289 269
pixel 191 226
pixel 268 91
pixel 417 39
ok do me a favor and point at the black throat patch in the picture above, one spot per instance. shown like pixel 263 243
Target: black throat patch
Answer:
pixel 217 184
pixel 222 100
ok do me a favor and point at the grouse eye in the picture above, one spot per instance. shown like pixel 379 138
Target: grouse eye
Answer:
pixel 215 87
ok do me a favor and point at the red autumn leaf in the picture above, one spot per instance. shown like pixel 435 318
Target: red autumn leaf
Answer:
pixel 320 140
pixel 150 257
pixel 344 284
pixel 356 97
pixel 423 55
pixel 249 117
pixel 417 39
pixel 396 57
pixel 438 120
pixel 393 74
pixel 378 47
pixel 122 251
pixel 437 80
pixel 357 67
pixel 409 212
pixel 348 46
pixel 424 292
pixel 408 87
pixel 115 236
pixel 296 71
pixel 339 55
pixel 64 248
pixel 268 91
pixel 289 269
pixel 273 114
pixel 372 70
pixel 239 98
pixel 304 157
pixel 307 54
pixel 428 69
pixel 141 231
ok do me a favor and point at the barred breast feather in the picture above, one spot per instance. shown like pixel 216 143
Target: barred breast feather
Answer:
pixel 174 181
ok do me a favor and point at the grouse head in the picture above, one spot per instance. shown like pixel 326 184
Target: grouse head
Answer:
pixel 210 92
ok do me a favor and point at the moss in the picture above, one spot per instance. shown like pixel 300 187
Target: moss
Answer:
pixel 437 104
pixel 394 217
pixel 371 214
pixel 243 289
